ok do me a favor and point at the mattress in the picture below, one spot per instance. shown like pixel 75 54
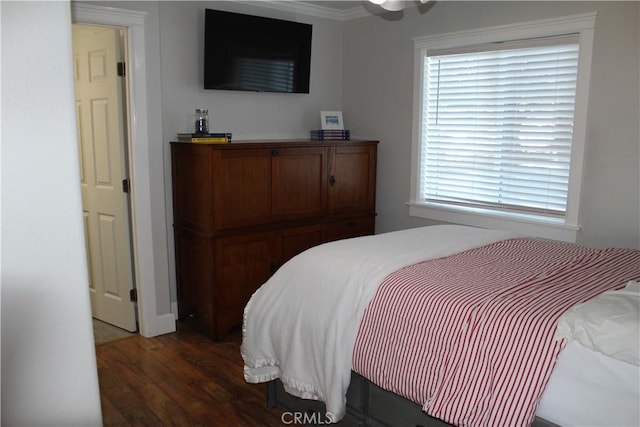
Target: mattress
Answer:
pixel 588 388
pixel 596 381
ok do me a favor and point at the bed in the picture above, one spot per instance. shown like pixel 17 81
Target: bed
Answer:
pixel 459 322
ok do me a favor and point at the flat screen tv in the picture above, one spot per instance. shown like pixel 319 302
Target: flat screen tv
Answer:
pixel 252 53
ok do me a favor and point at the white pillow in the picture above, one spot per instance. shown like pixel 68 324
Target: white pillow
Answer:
pixel 608 323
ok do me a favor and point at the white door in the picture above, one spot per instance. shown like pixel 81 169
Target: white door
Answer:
pixel 103 167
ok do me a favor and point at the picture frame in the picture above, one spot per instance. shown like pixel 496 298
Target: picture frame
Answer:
pixel 331 120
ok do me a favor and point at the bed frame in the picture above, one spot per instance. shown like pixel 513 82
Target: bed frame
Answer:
pixel 367 405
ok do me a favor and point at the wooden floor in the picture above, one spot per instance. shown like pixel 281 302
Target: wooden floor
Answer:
pixel 179 379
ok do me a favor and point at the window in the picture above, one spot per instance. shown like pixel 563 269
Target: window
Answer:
pixel 499 126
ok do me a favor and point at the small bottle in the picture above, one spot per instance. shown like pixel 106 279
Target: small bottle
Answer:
pixel 202 120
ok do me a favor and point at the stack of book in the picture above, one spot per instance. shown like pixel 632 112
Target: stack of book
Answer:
pixel 324 134
pixel 206 138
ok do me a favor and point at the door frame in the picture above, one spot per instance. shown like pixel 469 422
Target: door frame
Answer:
pixel 149 323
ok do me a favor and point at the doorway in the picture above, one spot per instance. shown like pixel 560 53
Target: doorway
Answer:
pixel 101 109
pixel 150 277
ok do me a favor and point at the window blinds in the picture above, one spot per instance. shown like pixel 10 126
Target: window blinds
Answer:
pixel 497 126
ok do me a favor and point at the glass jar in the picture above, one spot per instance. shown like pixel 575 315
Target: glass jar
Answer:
pixel 202 120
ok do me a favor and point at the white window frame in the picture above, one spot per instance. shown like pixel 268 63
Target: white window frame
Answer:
pixel 565 229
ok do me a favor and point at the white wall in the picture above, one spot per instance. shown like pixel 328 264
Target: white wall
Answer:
pixel 377 100
pixel 49 374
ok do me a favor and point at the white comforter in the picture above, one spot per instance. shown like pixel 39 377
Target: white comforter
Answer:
pixel 301 325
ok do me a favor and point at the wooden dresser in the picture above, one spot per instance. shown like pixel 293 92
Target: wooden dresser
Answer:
pixel 243 209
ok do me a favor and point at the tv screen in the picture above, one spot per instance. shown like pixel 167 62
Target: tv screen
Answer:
pixel 252 53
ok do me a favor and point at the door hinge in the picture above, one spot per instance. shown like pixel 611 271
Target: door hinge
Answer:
pixel 133 295
pixel 126 188
pixel 122 71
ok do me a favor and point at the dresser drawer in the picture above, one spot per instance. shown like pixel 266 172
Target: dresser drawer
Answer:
pixel 355 227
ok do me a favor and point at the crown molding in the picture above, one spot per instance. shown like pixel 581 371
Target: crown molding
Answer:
pixel 311 9
pixel 88 13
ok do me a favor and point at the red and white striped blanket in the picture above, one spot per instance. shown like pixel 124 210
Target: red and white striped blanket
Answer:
pixel 471 336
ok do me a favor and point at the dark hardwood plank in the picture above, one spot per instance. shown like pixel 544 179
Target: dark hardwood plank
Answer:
pixel 111 416
pixel 179 379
